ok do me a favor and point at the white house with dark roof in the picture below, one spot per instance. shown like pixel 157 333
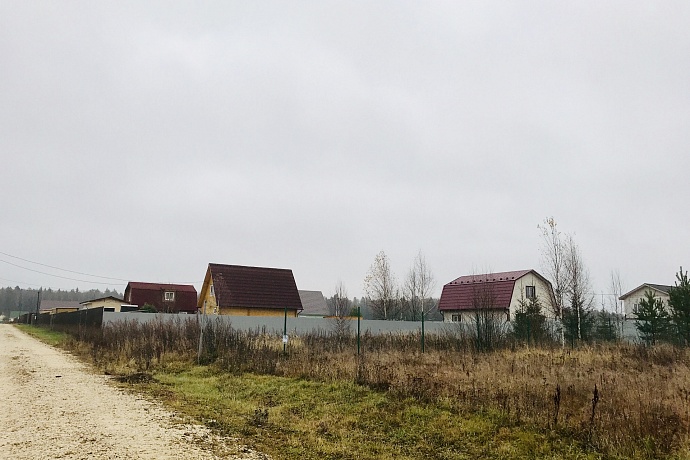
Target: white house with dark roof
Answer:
pixel 499 292
pixel 631 300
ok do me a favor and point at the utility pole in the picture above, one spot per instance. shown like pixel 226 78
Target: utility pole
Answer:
pixel 38 306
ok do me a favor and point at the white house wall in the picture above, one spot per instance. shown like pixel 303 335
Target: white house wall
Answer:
pixel 542 291
pixel 632 300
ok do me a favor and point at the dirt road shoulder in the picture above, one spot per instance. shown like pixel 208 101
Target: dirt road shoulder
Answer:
pixel 52 406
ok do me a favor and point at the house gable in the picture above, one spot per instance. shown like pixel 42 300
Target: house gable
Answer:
pixel 632 298
pixel 236 289
pixel 171 298
pixel 500 292
pixel 110 303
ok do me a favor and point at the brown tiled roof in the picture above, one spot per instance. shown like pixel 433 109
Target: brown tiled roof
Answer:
pixel 460 294
pixel 257 287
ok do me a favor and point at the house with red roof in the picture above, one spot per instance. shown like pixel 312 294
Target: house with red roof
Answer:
pixel 499 293
pixel 249 291
pixel 166 298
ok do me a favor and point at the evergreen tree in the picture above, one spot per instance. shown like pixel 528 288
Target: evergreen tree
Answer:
pixel 529 325
pixel 578 321
pixel 653 321
pixel 606 329
pixel 679 306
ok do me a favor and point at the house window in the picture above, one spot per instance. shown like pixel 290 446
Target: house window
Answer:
pixel 169 296
pixel 213 292
pixel 530 292
pixel 456 318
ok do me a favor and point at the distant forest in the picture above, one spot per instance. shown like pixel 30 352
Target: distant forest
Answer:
pixel 14 299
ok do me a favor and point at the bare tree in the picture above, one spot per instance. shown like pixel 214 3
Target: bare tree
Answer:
pixel 579 290
pixel 616 287
pixel 381 289
pixel 489 321
pixel 340 306
pixel 553 263
pixel 340 309
pixel 418 287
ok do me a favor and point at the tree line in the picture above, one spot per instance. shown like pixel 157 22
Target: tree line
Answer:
pixel 26 300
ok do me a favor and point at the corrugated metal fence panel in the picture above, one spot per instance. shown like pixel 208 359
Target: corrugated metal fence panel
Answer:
pixel 304 325
pixel 295 326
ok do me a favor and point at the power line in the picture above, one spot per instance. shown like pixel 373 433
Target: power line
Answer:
pixel 21 282
pixel 31 286
pixel 63 277
pixel 58 268
pixel 75 272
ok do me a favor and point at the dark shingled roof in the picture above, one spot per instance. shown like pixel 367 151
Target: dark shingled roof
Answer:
pixel 50 304
pixel 257 287
pixel 313 303
pixel 460 293
pixel 659 287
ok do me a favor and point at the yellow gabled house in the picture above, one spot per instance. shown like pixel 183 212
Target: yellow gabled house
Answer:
pixel 249 291
pixel 109 303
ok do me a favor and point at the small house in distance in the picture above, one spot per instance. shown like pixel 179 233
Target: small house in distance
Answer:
pixel 58 306
pixel 499 293
pixel 313 304
pixel 631 300
pixel 109 303
pixel 166 298
pixel 249 291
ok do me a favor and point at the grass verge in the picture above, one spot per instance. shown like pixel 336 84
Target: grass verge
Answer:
pixel 54 338
pixel 292 418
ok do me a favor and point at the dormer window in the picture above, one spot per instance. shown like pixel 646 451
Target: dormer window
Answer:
pixel 169 296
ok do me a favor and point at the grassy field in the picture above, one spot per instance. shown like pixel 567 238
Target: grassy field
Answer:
pixel 322 400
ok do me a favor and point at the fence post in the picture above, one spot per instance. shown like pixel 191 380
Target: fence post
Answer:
pixel 359 316
pixel 285 331
pixel 422 328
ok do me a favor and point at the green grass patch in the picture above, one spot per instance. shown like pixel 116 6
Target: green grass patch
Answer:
pixel 299 419
pixel 48 336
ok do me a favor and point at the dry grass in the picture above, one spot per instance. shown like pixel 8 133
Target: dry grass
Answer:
pixel 617 400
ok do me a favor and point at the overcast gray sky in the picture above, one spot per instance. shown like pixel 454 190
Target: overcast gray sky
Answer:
pixel 143 140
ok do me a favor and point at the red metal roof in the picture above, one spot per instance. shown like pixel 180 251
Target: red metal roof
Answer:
pixel 160 286
pixel 257 287
pixel 462 293
pixel 185 298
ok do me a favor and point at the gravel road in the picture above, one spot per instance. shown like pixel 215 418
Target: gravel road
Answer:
pixel 53 407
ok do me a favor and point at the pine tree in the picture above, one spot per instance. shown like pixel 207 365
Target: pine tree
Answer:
pixel 679 306
pixel 653 321
pixel 529 325
pixel 606 329
pixel 578 323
